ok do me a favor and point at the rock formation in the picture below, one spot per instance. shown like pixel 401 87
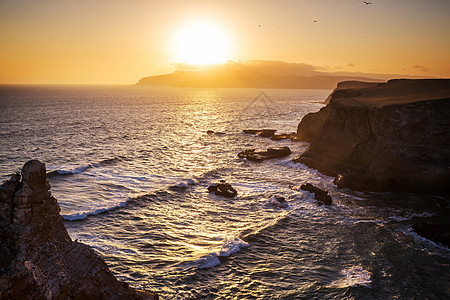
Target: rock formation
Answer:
pixel 320 195
pixel 222 189
pixel 390 136
pixel 436 232
pixel 261 132
pixel 254 155
pixel 38 258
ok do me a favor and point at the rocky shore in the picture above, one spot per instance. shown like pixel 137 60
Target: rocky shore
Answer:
pixel 38 258
pixel 390 136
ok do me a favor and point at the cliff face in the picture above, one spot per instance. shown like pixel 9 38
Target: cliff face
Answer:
pixel 391 136
pixel 38 258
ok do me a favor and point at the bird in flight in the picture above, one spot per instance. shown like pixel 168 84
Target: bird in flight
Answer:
pixel 367 3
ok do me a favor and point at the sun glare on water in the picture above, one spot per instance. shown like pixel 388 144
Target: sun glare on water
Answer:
pixel 201 43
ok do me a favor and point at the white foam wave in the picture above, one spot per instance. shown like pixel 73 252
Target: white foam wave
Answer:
pixel 274 202
pixel 353 276
pixel 229 247
pixel 85 214
pixel 77 170
pixel 232 246
pixel 208 261
pixel 183 184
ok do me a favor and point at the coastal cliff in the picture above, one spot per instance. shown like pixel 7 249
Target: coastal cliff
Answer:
pixel 38 258
pixel 390 136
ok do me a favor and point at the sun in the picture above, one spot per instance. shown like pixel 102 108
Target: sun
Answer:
pixel 201 43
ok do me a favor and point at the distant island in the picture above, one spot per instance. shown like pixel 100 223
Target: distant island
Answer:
pixel 255 74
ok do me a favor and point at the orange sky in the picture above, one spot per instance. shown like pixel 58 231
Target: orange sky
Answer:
pixel 112 41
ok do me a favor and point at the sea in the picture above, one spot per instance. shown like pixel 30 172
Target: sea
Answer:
pixel 130 167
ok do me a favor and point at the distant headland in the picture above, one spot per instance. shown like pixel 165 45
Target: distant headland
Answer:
pixel 256 74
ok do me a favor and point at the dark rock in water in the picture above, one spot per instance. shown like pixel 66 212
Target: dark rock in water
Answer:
pixel 267 132
pixel 319 194
pixel 253 155
pixel 285 136
pixel 222 189
pixel 38 259
pixel 435 232
pixel 279 137
pixel 278 201
pixel 216 133
pixel 261 132
pixel 390 136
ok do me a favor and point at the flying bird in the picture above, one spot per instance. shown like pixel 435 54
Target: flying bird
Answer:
pixel 367 3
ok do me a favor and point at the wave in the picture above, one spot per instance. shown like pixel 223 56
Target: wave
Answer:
pixel 80 169
pixel 184 184
pixel 74 171
pixel 353 276
pixel 229 247
pixel 85 214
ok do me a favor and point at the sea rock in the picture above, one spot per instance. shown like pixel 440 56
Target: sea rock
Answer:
pixel 435 232
pixel 261 132
pixel 284 136
pixel 390 136
pixel 38 258
pixel 319 194
pixel 222 188
pixel 215 132
pixel 254 155
pixel 278 201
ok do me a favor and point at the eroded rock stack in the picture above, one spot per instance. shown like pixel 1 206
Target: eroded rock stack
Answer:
pixel 38 258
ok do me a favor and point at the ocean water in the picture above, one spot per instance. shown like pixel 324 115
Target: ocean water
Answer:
pixel 130 167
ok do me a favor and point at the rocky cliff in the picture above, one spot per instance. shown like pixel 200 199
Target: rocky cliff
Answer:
pixel 392 136
pixel 38 258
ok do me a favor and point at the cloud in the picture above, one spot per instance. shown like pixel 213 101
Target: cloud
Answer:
pixel 420 68
pixel 351 65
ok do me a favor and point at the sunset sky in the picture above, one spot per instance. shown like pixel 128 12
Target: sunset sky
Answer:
pixel 115 42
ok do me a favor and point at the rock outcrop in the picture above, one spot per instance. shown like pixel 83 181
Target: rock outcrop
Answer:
pixel 320 195
pixel 436 232
pixel 260 155
pixel 38 258
pixel 261 132
pixel 222 188
pixel 390 136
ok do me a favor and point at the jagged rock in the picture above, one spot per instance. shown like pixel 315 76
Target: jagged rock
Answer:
pixel 267 132
pixel 435 232
pixel 38 258
pixel 253 155
pixel 385 137
pixel 319 194
pixel 222 189
pixel 261 132
pixel 216 133
pixel 278 201
pixel 285 136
